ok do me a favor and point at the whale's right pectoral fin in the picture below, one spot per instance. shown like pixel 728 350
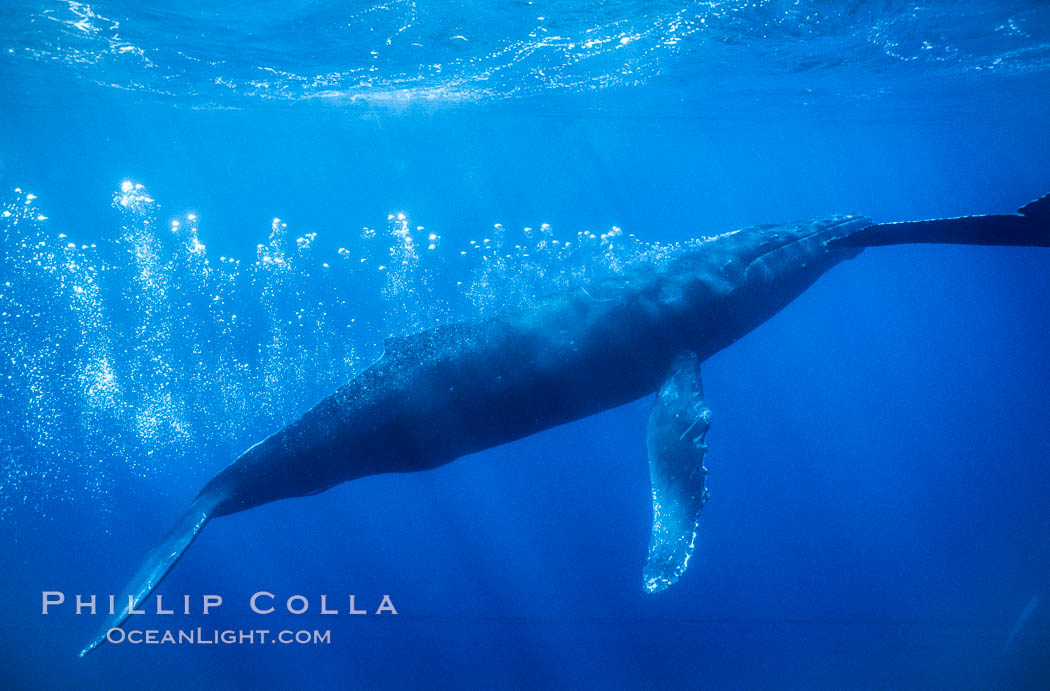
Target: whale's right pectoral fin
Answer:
pixel 157 565
pixel 676 437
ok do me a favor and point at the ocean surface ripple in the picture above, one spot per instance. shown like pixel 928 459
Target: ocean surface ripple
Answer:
pixel 402 51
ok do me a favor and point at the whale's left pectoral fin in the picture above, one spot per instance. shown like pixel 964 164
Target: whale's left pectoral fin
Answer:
pixel 676 437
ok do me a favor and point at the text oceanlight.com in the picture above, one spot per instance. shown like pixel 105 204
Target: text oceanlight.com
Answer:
pixel 262 604
pixel 202 636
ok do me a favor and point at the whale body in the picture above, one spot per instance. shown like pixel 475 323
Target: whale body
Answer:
pixel 456 389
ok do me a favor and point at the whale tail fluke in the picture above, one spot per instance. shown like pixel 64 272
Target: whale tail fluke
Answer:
pixel 1029 227
pixel 1038 210
pixel 163 557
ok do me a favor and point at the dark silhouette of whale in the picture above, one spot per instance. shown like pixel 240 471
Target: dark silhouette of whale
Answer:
pixel 456 389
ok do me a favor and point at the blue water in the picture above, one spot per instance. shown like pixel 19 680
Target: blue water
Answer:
pixel 188 195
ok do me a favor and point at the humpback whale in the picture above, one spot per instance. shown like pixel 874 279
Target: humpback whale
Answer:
pixel 459 388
